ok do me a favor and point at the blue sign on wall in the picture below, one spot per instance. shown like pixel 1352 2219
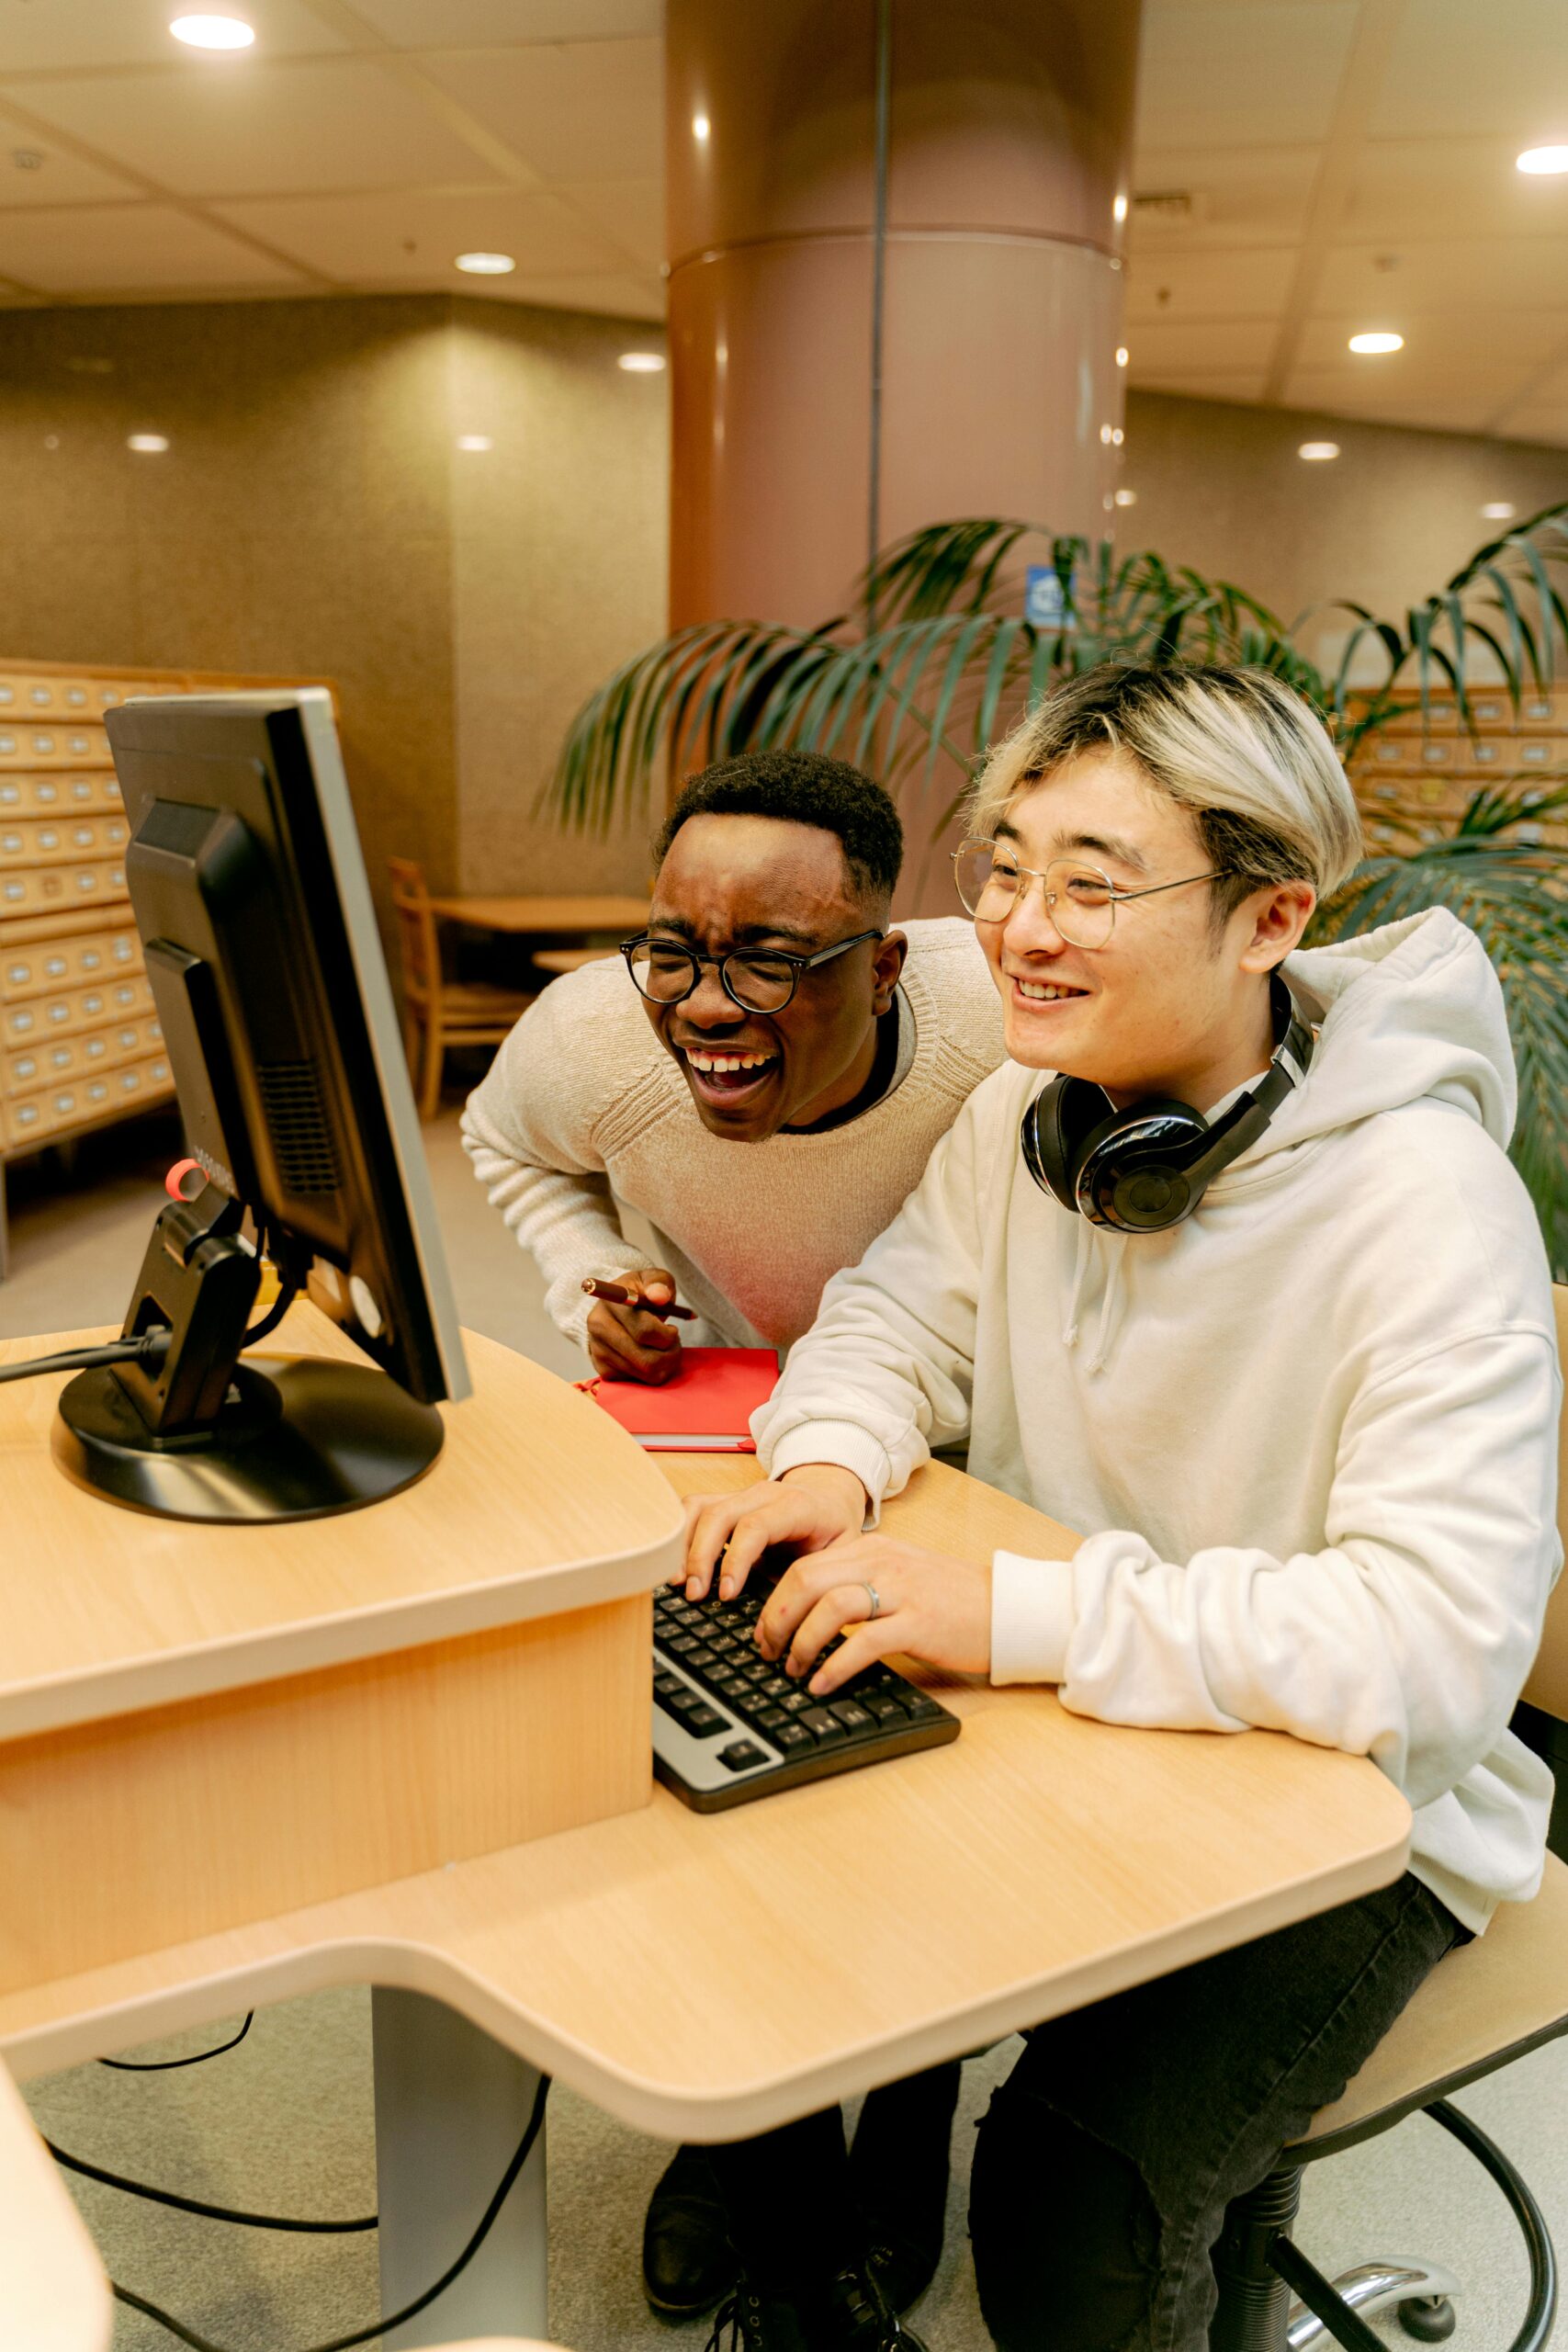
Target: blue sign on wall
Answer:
pixel 1043 603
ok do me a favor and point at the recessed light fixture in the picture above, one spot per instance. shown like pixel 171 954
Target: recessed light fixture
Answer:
pixel 1120 354
pixel 1126 498
pixel 1317 452
pixel 642 363
pixel 1116 437
pixel 1542 159
pixel 1379 340
pixel 486 265
pixel 147 443
pixel 213 32
pixel 51 440
pixel 1105 435
pixel 1498 512
pixel 701 126
pixel 1119 210
pixel 478 442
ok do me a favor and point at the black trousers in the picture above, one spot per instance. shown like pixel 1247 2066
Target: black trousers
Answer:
pixel 1105 2165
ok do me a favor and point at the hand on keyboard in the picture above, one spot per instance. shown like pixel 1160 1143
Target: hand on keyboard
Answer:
pixel 812 1507
pixel 929 1605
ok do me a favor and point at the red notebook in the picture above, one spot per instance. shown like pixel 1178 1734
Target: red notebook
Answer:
pixel 704 1409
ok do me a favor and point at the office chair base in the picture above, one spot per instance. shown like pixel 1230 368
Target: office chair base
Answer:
pixel 1419 2291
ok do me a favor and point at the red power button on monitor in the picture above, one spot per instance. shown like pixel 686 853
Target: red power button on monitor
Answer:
pixel 185 1179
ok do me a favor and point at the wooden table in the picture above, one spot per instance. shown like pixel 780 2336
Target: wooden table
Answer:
pixel 707 1976
pixel 522 916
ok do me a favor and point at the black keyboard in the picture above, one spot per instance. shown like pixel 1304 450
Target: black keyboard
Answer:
pixel 728 1727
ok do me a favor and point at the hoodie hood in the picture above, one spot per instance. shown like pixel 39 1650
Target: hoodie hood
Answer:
pixel 1410 1011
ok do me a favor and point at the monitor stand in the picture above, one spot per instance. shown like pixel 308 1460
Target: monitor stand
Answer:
pixel 191 1433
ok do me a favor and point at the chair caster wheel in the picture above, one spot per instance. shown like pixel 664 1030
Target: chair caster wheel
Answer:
pixel 1429 2318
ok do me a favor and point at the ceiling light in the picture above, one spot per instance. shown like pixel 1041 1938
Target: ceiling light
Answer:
pixel 1117 438
pixel 213 32
pixel 1378 341
pixel 486 265
pixel 1314 452
pixel 1542 159
pixel 1498 512
pixel 149 444
pixel 701 126
pixel 1126 498
pixel 1119 210
pixel 1120 354
pixel 1105 435
pixel 475 441
pixel 642 363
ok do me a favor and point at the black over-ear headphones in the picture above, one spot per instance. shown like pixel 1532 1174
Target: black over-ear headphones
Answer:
pixel 1145 1168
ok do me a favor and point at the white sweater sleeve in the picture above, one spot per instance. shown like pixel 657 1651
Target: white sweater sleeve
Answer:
pixel 527 1129
pixel 1406 1638
pixel 885 1371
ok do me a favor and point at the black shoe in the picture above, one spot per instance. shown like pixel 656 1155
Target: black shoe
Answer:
pixel 687 2259
pixel 753 2321
pixel 852 2316
pixel 899 2164
pixel 857 2317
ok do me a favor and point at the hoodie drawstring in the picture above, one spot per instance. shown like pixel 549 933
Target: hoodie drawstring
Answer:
pixel 1110 1299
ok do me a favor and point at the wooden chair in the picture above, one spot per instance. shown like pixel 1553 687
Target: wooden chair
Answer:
pixel 555 960
pixel 439 1012
pixel 1499 1997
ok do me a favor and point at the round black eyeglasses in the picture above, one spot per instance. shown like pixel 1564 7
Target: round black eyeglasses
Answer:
pixel 757 979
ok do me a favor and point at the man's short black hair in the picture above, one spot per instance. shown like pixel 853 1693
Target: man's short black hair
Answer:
pixel 808 789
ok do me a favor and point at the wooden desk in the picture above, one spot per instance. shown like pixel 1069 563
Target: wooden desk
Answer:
pixel 703 1977
pixel 536 915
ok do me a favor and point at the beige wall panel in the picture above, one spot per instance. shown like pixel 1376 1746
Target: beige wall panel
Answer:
pixel 559 547
pixel 298 523
pixel 1386 523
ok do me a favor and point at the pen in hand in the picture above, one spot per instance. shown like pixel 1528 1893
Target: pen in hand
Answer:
pixel 618 1295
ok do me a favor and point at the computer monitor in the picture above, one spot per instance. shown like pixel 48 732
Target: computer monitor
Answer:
pixel 250 893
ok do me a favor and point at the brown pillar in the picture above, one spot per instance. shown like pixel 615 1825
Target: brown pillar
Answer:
pixel 872 332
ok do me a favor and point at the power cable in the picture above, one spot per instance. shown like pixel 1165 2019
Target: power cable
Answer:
pixel 167 2066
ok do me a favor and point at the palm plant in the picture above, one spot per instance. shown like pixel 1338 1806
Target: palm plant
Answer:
pixel 937 656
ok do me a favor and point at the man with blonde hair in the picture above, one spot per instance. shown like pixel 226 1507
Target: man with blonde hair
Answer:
pixel 1227 1267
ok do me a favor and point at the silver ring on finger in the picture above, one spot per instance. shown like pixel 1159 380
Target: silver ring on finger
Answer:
pixel 874 1597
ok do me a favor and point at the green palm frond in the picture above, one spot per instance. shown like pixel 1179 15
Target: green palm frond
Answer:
pixel 1514 895
pixel 1506 604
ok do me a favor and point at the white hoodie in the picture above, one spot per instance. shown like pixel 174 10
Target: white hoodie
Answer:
pixel 1311 1432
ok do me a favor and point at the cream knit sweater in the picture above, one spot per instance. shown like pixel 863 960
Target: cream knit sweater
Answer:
pixel 583 1100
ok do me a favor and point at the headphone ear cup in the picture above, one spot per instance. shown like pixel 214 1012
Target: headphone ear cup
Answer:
pixel 1055 1128
pixel 1131 1171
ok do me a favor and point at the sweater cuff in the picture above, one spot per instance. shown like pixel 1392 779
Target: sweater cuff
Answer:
pixel 843 1444
pixel 1032 1618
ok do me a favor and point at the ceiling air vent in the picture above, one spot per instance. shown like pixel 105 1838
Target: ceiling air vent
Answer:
pixel 1169 208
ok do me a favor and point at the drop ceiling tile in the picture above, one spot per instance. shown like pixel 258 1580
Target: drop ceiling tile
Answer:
pixel 1242 194
pixel 34 37
pixel 413 240
pixel 1165 347
pixel 55 177
pixel 267 129
pixel 631 211
pixel 1174 287
pixel 467 24
pixel 1475 274
pixel 1426 188
pixel 583 110
pixel 1232 76
pixel 151 247
pixel 1456 70
pixel 1459 339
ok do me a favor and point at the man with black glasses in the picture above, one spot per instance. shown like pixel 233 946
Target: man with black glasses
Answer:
pixel 773 1006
